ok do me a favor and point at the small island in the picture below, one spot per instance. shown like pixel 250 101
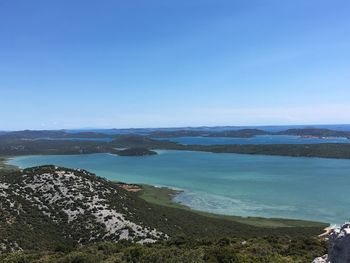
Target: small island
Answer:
pixel 135 152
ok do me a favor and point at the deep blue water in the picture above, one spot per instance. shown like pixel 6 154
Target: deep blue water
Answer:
pixel 233 184
pixel 260 139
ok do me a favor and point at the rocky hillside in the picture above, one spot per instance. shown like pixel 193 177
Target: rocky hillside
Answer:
pixel 338 246
pixel 90 208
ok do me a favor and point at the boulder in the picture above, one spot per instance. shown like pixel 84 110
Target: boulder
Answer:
pixel 323 259
pixel 338 246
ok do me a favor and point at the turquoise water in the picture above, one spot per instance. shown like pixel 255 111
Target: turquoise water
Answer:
pixel 233 184
pixel 260 139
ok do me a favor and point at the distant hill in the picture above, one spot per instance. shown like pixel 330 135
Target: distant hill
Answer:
pixel 315 132
pixel 248 133
pixel 135 152
pixel 16 147
pixel 37 134
pixel 173 132
pixel 242 133
pixel 32 134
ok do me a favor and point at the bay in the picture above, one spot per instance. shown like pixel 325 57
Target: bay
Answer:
pixel 231 184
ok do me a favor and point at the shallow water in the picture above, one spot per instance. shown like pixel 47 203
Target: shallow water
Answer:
pixel 233 184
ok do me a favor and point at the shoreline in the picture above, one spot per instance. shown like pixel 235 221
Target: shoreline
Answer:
pixel 4 165
pixel 164 196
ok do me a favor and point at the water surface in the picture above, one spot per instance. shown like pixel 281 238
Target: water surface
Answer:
pixel 260 139
pixel 233 184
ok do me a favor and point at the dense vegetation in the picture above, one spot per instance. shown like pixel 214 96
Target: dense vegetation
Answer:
pixel 24 143
pixel 167 133
pixel 269 249
pixel 248 133
pixel 243 133
pixel 324 150
pixel 135 152
pixel 315 132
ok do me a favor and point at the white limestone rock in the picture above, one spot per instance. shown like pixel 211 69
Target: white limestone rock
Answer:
pixel 89 207
pixel 323 259
pixel 338 246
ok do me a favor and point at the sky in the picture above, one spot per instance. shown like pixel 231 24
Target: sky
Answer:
pixel 155 63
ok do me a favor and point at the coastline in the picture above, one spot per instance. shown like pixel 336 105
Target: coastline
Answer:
pixel 164 196
pixel 4 166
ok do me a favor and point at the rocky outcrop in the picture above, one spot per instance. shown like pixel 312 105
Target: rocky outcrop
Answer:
pixel 323 259
pixel 79 206
pixel 338 246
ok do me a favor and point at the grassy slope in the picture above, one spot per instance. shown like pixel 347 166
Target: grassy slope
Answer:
pixel 160 196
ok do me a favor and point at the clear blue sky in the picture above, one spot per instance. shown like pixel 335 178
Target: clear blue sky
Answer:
pixel 82 63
